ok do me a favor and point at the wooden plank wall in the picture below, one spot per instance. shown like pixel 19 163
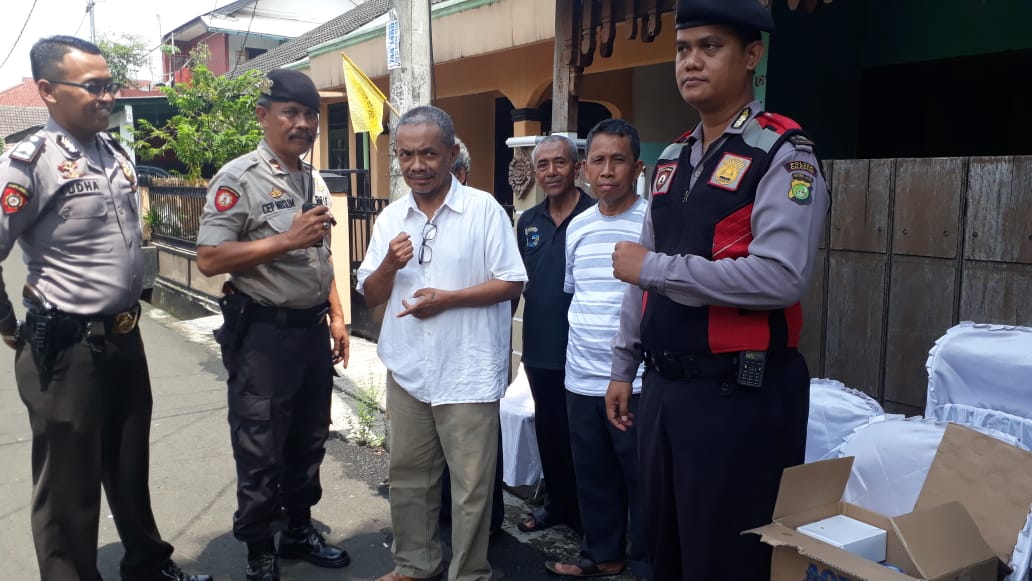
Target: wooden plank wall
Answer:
pixel 914 246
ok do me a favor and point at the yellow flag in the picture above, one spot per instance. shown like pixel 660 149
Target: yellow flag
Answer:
pixel 365 101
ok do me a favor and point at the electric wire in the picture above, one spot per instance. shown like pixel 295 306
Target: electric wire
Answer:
pixel 24 24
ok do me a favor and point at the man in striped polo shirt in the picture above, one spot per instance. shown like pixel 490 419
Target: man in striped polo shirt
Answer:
pixel 605 459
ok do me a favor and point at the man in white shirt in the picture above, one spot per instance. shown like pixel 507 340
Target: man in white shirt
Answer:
pixel 445 342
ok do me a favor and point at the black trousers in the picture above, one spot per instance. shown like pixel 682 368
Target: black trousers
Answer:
pixel 91 428
pixel 609 478
pixel 712 454
pixel 280 385
pixel 552 427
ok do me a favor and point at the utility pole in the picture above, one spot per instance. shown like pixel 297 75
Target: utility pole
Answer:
pixel 411 83
pixel 93 30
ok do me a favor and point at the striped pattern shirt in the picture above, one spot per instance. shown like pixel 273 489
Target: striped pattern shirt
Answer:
pixel 594 314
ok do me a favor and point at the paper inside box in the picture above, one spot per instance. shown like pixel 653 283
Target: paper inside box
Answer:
pixel 849 534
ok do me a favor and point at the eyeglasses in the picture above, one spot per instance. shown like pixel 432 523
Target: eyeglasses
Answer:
pixel 95 88
pixel 426 253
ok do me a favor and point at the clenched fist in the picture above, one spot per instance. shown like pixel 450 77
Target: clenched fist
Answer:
pixel 628 258
pixel 399 252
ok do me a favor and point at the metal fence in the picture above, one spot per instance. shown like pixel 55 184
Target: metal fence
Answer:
pixel 175 214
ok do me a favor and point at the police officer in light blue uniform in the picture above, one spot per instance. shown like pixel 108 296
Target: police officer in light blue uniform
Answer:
pixel 727 250
pixel 69 198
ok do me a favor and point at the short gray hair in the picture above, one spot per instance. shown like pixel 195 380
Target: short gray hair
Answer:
pixel 571 147
pixel 430 115
pixel 462 160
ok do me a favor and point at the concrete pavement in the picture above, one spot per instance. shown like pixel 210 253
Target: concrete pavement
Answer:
pixel 193 478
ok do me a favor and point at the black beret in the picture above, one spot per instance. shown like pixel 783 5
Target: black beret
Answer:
pixel 288 85
pixel 748 14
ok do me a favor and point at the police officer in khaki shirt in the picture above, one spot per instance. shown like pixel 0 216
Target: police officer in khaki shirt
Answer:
pixel 69 198
pixel 276 344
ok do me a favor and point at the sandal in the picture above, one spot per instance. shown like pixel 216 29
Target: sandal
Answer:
pixel 586 568
pixel 538 520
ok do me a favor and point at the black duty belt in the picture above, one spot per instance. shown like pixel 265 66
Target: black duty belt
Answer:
pixel 686 366
pixel 283 317
pixel 117 324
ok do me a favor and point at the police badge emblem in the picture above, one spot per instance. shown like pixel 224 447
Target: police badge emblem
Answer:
pixel 730 171
pixel 69 169
pixel 801 189
pixel 276 193
pixel 225 199
pixel 13 198
pixel 663 180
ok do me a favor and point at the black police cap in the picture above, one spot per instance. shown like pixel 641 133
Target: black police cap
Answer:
pixel 747 14
pixel 288 85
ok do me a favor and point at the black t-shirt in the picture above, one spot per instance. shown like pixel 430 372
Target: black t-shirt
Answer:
pixel 543 248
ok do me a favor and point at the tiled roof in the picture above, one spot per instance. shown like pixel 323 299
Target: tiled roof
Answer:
pixel 16 119
pixel 297 49
pixel 24 94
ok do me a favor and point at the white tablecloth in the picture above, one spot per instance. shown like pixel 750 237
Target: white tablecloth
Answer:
pixel 521 462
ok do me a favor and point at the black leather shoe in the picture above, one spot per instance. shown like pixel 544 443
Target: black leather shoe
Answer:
pixel 172 572
pixel 310 545
pixel 264 568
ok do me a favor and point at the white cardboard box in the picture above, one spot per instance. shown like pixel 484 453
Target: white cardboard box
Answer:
pixel 849 534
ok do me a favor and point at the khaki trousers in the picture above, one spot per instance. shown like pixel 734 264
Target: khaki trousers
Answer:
pixel 422 439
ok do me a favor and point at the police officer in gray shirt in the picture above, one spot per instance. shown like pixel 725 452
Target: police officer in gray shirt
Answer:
pixel 713 307
pixel 69 198
pixel 266 223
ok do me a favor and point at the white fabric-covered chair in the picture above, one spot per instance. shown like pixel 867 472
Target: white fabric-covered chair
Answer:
pixel 521 463
pixel 981 375
pixel 835 411
pixel 891 461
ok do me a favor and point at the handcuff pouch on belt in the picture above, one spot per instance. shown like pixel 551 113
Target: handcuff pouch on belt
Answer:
pixel 236 309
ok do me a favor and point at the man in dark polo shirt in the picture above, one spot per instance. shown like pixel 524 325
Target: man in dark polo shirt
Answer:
pixel 541 234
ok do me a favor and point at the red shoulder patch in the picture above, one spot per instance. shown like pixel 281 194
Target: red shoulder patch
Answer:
pixel 225 198
pixel 13 198
pixel 777 123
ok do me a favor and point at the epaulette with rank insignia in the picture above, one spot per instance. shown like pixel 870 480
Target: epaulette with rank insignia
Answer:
pixel 29 149
pixel 799 139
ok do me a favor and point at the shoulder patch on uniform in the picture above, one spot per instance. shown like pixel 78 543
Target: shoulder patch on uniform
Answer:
pixel 225 198
pixel 28 150
pixel 796 165
pixel 730 171
pixel 14 198
pixel 664 177
pixel 801 189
